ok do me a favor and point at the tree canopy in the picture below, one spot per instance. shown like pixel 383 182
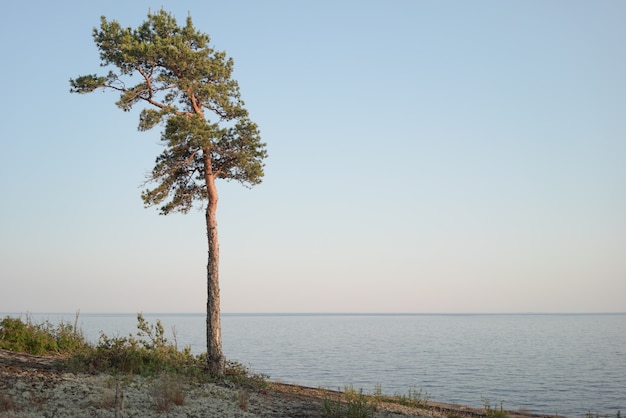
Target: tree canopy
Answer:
pixel 188 88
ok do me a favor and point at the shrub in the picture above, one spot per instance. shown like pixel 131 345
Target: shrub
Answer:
pixel 149 354
pixel 239 374
pixel 42 338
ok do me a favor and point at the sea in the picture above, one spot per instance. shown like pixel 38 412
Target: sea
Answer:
pixel 566 364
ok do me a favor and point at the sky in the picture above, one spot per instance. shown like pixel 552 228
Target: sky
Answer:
pixel 424 157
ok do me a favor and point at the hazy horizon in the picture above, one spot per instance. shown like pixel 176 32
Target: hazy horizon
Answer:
pixel 312 313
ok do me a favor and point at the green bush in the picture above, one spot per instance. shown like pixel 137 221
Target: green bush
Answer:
pixel 40 339
pixel 149 354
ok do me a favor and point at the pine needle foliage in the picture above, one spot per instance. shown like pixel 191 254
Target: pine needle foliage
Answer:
pixel 187 87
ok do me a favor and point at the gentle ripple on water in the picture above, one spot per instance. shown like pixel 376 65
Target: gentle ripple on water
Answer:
pixel 566 364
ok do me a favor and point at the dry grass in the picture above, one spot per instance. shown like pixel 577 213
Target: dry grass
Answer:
pixel 105 400
pixel 168 390
pixel 6 403
pixel 243 397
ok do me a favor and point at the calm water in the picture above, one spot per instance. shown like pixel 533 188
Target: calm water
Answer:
pixel 566 364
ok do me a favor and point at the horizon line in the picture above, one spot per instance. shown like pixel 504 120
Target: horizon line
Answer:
pixel 320 313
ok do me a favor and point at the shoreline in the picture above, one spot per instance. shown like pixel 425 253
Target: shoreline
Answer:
pixel 33 386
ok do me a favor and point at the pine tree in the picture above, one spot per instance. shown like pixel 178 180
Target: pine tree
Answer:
pixel 186 87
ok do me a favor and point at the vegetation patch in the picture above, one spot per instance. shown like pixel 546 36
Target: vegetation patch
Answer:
pixel 6 403
pixel 348 404
pixel 414 398
pixel 491 412
pixel 147 353
pixel 168 390
pixel 596 415
pixel 40 338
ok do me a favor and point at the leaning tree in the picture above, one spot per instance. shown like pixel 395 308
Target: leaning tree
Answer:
pixel 187 89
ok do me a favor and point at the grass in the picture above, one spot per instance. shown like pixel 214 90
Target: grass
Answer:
pixel 494 412
pixel 168 390
pixel 596 415
pixel 6 403
pixel 243 398
pixel 355 404
pixel 348 404
pixel 414 398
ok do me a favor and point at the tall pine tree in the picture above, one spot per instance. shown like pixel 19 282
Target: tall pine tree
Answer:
pixel 186 87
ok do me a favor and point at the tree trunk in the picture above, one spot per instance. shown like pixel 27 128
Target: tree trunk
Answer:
pixel 215 358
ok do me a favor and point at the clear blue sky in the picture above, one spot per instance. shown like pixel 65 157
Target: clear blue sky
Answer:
pixel 425 156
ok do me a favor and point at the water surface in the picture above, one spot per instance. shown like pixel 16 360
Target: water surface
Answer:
pixel 566 364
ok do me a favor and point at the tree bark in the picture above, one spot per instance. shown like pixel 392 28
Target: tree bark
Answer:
pixel 215 359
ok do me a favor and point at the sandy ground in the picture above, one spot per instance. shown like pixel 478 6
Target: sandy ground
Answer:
pixel 31 386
